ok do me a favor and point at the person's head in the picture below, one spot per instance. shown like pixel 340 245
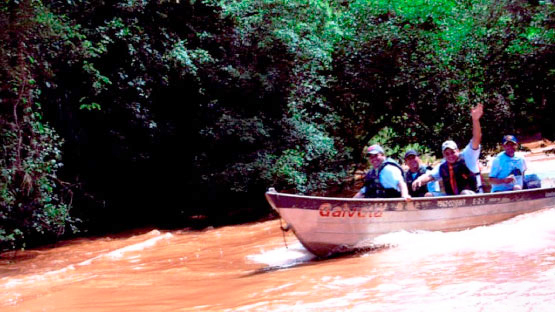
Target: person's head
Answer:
pixel 412 160
pixel 510 144
pixel 376 155
pixel 450 151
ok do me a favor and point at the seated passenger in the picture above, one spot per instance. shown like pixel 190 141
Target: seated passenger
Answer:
pixel 507 169
pixel 458 170
pixel 385 179
pixel 416 169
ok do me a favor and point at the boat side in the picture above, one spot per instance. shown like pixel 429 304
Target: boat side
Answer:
pixel 326 225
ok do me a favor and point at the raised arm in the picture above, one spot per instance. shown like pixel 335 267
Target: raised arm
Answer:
pixel 476 112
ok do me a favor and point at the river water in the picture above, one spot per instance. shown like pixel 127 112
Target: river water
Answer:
pixel 509 266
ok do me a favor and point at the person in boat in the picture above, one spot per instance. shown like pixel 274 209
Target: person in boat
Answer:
pixel 416 169
pixel 458 170
pixel 508 167
pixel 385 179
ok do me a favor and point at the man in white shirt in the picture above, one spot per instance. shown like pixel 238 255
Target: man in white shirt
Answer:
pixel 458 170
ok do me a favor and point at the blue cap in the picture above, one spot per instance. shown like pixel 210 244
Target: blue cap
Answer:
pixel 411 153
pixel 509 138
pixel 375 149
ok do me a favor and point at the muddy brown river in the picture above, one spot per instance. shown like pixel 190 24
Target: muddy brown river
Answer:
pixel 509 266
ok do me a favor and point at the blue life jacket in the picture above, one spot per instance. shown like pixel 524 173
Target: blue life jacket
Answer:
pixel 423 189
pixel 373 186
pixel 465 179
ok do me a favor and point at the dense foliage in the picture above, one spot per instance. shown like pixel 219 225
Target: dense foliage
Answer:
pixel 34 203
pixel 183 112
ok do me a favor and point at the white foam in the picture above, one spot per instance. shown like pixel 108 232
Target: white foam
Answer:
pixel 119 253
pixel 524 234
pixel 13 282
pixel 116 254
pixel 283 257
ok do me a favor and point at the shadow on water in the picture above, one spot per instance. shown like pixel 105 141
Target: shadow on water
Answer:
pixel 354 253
pixel 9 258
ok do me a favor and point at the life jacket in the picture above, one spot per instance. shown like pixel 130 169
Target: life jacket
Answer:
pixel 374 189
pixel 422 190
pixel 464 178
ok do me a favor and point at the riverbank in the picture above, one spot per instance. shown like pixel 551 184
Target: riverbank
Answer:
pixel 540 150
pixel 541 160
pixel 534 151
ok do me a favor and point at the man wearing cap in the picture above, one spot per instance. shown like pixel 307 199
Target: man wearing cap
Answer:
pixel 385 179
pixel 458 170
pixel 416 169
pixel 507 168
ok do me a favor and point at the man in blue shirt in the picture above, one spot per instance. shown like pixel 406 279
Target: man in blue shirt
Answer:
pixel 385 179
pixel 507 169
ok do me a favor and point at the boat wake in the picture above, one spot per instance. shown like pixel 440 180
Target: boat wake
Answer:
pixel 137 247
pixel 68 270
pixel 524 234
pixel 283 257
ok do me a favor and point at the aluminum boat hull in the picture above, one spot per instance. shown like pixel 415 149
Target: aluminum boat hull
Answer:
pixel 328 225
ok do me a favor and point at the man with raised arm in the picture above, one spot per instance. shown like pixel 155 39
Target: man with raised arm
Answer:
pixel 458 170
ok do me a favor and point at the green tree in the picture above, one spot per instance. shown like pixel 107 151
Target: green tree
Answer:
pixel 293 41
pixel 179 111
pixel 34 203
pixel 417 67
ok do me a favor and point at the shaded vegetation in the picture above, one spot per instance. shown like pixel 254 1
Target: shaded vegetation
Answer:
pixel 117 114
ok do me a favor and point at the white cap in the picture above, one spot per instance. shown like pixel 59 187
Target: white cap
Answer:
pixel 448 144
